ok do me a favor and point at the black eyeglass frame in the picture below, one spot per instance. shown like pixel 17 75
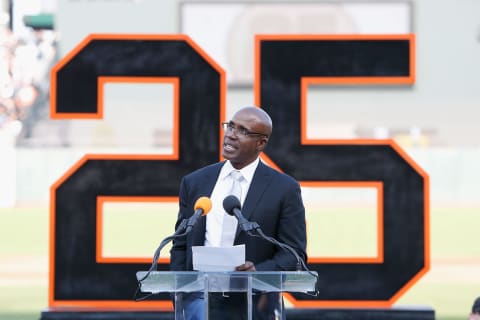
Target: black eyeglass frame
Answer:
pixel 229 126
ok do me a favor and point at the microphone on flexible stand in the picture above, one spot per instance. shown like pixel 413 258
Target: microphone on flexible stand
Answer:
pixel 232 206
pixel 202 207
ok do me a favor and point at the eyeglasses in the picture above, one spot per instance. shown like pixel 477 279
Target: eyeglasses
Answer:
pixel 230 127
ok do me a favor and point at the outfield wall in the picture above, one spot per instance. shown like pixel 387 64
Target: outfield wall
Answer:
pixel 454 173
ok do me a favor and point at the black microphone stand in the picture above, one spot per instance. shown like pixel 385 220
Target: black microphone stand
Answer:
pixel 181 231
pixel 231 204
pixel 248 227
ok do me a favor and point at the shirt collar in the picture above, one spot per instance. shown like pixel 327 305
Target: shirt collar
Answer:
pixel 247 171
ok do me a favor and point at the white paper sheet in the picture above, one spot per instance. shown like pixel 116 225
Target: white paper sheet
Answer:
pixel 218 258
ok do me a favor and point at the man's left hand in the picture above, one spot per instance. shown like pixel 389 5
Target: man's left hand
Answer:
pixel 247 266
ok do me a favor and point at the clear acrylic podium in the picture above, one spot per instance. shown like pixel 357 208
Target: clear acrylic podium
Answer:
pixel 253 284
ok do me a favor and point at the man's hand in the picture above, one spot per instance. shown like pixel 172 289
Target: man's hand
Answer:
pixel 247 266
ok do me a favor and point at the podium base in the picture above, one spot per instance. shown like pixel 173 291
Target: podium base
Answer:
pixel 396 313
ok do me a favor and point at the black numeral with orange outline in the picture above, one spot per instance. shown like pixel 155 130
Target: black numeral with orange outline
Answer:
pixel 76 277
pixel 284 65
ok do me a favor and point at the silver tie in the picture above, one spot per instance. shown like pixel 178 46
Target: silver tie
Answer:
pixel 229 222
pixel 236 189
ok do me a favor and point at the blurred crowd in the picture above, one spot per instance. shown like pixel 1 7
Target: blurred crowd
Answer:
pixel 24 81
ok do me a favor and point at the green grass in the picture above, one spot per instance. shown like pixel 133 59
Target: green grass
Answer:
pixel 449 287
pixel 19 316
pixel 335 232
pixel 142 220
pixel 24 299
pixel 450 300
pixel 24 231
pixel 456 233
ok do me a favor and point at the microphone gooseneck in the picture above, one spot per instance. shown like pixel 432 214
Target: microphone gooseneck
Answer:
pixel 202 207
pixel 232 206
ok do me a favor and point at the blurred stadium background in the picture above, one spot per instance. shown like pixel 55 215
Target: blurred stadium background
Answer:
pixel 435 121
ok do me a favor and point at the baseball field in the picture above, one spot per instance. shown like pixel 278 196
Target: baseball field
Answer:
pixel 449 287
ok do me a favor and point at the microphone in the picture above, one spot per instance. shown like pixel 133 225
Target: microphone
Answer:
pixel 232 206
pixel 202 207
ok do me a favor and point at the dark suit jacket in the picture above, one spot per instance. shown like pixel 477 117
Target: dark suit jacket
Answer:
pixel 273 201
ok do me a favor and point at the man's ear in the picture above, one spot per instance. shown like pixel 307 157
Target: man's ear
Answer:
pixel 261 144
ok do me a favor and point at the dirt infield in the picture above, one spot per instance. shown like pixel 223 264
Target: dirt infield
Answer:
pixel 33 270
pixel 23 271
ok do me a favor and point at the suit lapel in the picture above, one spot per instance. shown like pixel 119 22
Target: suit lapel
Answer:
pixel 207 184
pixel 261 179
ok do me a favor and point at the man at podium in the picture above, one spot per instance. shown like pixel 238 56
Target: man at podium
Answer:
pixel 268 197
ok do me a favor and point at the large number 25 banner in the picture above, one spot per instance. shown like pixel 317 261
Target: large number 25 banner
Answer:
pixel 285 67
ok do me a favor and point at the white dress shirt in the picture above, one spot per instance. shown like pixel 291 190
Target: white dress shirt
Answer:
pixel 218 219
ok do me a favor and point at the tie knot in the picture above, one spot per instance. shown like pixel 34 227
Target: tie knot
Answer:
pixel 236 175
